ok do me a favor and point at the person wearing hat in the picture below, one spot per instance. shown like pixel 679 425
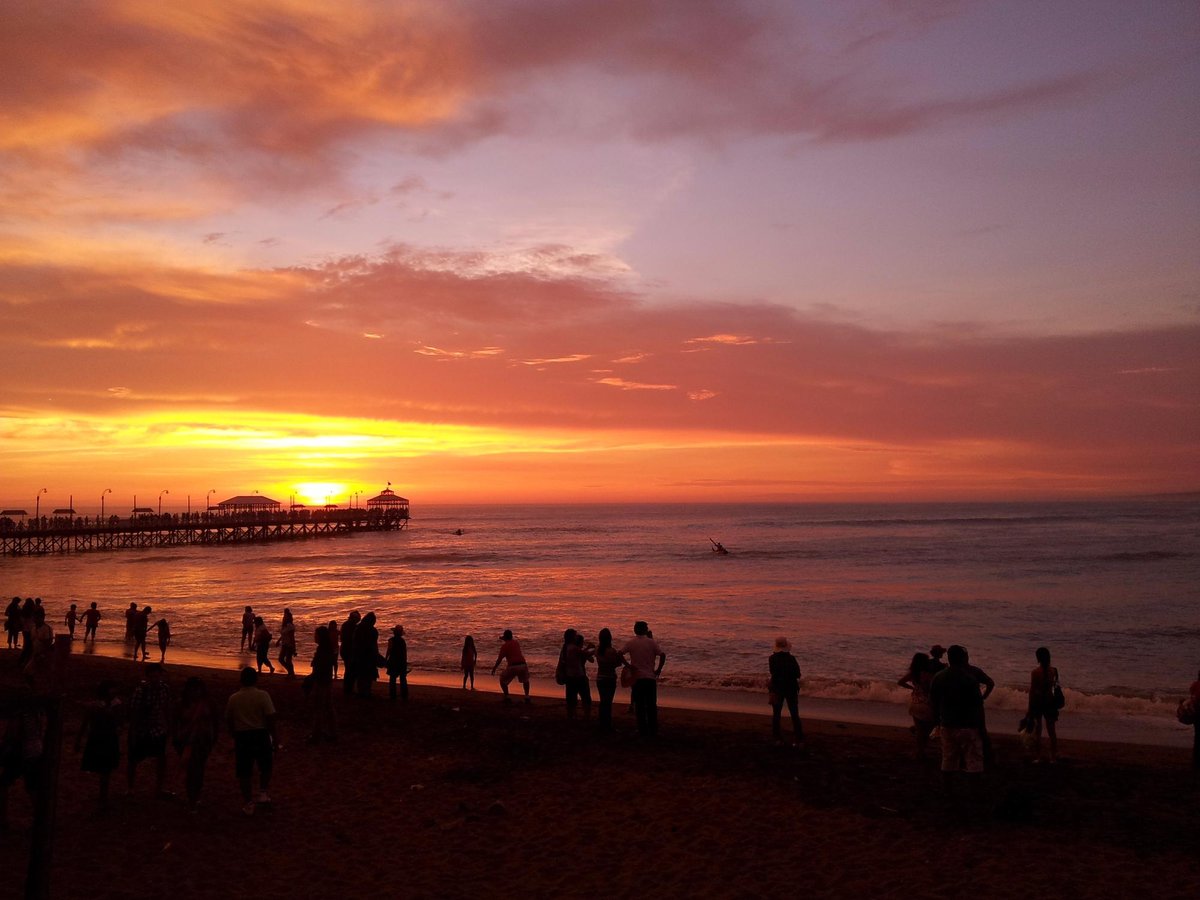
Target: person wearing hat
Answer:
pixel 516 666
pixel 785 688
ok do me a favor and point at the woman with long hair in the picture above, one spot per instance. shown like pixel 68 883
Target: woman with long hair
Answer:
pixel 287 643
pixel 608 663
pixel 470 656
pixel 1042 702
pixel 917 679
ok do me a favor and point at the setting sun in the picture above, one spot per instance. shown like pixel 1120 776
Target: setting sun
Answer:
pixel 319 493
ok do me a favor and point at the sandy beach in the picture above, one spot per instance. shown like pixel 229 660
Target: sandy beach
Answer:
pixel 455 794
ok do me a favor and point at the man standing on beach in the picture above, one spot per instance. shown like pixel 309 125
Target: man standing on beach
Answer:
pixel 643 651
pixel 250 715
pixel 516 666
pixel 347 650
pixel 958 709
pixel 983 680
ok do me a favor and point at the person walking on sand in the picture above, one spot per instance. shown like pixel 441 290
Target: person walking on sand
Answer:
pixel 71 618
pixel 397 663
pixel 197 727
pixel 918 679
pixel 250 715
pixel 287 643
pixel 149 725
pixel 1042 705
pixel 247 629
pixel 958 709
pixel 785 688
pixel 91 618
pixel 470 656
pixel 261 645
pixel 643 652
pixel 164 638
pixel 515 665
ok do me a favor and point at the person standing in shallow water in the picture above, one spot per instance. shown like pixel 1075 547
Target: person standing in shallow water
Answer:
pixel 248 628
pixel 785 688
pixel 130 616
pixel 91 618
pixel 643 652
pixel 261 645
pixel 1042 707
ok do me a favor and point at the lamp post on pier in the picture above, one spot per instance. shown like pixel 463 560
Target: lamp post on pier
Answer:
pixel 160 496
pixel 106 491
pixel 37 505
pixel 207 502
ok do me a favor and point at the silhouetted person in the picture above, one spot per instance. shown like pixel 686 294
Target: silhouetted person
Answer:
pixel 514 665
pixel 40 664
pixel 320 689
pixel 936 664
pixel 984 681
pixel 785 688
pixel 918 679
pixel 196 729
pixel 334 641
pixel 287 643
pixel 91 618
pixel 366 655
pixel 261 645
pixel 247 628
pixel 608 662
pixel 141 626
pixel 470 656
pixel 1194 696
pixel 164 638
pixel 149 725
pixel 1042 705
pixel 347 638
pixel 130 615
pixel 576 654
pixel 643 652
pixel 958 709
pixel 71 618
pixel 250 715
pixel 100 737
pixel 397 663
pixel 28 610
pixel 12 623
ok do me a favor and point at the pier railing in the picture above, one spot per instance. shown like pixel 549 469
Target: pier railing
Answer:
pixel 81 534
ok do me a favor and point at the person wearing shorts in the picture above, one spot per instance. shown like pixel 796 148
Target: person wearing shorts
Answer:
pixel 958 709
pixel 516 667
pixel 250 715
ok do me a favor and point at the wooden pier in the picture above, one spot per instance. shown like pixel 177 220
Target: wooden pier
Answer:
pixel 81 535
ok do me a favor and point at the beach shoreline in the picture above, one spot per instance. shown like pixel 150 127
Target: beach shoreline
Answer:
pixel 1116 729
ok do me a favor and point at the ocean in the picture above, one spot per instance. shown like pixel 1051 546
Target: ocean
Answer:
pixel 1112 588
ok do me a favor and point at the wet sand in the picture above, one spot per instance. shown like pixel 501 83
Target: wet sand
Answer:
pixel 455 794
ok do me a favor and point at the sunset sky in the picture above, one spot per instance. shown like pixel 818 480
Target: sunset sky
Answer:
pixel 601 250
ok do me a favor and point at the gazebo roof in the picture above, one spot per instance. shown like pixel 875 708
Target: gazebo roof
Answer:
pixel 250 500
pixel 387 497
pixel 13 512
